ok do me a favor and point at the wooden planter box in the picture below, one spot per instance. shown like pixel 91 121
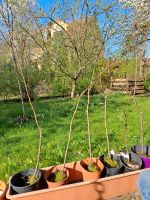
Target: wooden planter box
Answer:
pixel 103 188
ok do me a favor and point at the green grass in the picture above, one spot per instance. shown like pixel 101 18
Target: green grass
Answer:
pixel 19 142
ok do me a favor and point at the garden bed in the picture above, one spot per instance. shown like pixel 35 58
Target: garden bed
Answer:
pixel 77 189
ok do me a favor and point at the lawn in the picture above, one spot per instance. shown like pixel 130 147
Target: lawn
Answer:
pixel 19 141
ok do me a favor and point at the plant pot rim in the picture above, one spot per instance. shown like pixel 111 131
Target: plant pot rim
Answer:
pixel 138 145
pixel 40 174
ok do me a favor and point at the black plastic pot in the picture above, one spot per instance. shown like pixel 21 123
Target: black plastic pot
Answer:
pixel 135 159
pixel 145 159
pixel 18 182
pixel 111 171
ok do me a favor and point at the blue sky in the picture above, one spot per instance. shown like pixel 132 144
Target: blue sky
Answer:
pixel 43 4
pixel 148 49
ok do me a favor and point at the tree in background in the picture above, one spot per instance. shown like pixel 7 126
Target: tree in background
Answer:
pixel 137 27
pixel 24 49
pixel 63 44
pixel 85 36
pixel 75 40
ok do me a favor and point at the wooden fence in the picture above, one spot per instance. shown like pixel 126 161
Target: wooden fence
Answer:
pixel 128 85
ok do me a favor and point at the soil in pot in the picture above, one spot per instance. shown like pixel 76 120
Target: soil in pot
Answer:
pixel 112 165
pixel 55 176
pixel 25 181
pixel 144 156
pixel 91 170
pixel 132 164
pixel 92 167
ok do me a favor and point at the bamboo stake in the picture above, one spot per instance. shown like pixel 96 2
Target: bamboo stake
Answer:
pixel 106 128
pixel 140 113
pixel 88 126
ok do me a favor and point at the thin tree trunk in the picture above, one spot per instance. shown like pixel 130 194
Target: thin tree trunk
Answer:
pixel 125 132
pixel 20 90
pixel 37 123
pixel 34 113
pixel 88 125
pixel 71 124
pixel 142 55
pixel 142 131
pixel 17 74
pixel 123 121
pixel 140 113
pixel 73 89
pixel 106 129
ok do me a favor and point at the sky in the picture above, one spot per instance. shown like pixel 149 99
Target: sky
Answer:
pixel 43 4
pixel 148 50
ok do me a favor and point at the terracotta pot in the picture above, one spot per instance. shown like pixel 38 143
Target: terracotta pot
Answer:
pixel 18 181
pixel 87 175
pixel 53 170
pixel 135 159
pixel 146 160
pixel 3 189
pixel 111 171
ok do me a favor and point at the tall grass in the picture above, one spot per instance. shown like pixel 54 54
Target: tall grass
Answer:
pixel 19 141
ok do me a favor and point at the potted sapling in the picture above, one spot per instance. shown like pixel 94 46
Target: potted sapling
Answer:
pixel 91 167
pixel 28 180
pixel 59 175
pixel 111 161
pixel 144 154
pixel 130 161
pixel 142 150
